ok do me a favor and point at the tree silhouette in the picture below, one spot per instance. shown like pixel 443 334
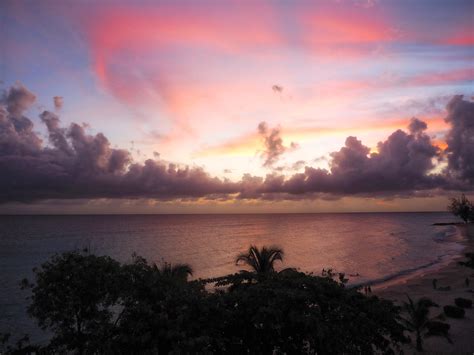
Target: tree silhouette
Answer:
pixel 73 296
pixel 96 305
pixel 177 271
pixel 462 207
pixel 261 260
pixel 418 320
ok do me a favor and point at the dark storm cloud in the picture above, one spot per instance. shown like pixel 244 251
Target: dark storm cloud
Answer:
pixel 417 126
pixel 402 166
pixel 77 165
pixel 460 138
pixel 273 142
pixel 73 164
pixel 57 135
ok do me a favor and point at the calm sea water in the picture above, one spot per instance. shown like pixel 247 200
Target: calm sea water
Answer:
pixel 374 245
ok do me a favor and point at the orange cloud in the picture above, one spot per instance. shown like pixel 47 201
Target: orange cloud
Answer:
pixel 440 144
pixel 247 145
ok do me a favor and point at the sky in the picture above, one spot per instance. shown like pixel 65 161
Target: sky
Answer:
pixel 235 106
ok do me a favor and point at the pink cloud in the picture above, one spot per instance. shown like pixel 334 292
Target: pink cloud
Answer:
pixel 464 37
pixel 139 31
pixel 441 78
pixel 131 33
pixel 158 56
pixel 344 27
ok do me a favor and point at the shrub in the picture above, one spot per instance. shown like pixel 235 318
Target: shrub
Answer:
pixel 469 262
pixel 454 311
pixel 463 302
pixel 437 328
pixel 417 321
pixel 462 208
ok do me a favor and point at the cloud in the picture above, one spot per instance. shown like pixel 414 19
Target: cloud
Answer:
pixel 77 165
pixel 58 102
pixel 298 165
pixel 277 89
pixel 73 164
pixel 18 99
pixel 462 37
pixel 162 27
pixel 403 165
pixel 460 138
pixel 417 126
pixel 273 142
pixel 247 144
pixel 440 78
pixel 16 131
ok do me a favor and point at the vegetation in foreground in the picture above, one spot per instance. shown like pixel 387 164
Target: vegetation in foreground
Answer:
pixel 96 305
pixel 469 262
pixel 462 208
pixel 417 321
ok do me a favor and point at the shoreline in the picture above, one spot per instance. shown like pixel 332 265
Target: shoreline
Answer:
pixel 420 284
pixel 443 261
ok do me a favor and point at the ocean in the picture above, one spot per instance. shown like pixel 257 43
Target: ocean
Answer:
pixel 377 246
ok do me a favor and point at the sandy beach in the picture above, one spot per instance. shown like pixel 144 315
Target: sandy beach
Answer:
pixel 421 285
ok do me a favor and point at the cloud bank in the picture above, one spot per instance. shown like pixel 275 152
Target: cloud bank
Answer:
pixel 73 164
pixel 77 165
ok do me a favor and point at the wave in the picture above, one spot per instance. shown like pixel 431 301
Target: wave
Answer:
pixel 401 274
pixel 450 235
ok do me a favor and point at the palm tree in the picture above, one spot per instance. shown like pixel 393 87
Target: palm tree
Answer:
pixel 261 260
pixel 419 322
pixel 176 271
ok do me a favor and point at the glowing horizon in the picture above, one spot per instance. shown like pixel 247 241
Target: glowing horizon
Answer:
pixel 190 83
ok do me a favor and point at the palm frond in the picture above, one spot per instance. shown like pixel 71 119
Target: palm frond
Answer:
pixel 260 260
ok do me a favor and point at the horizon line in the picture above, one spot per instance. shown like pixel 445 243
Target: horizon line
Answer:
pixel 206 214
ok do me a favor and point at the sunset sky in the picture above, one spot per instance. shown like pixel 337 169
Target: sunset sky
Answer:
pixel 235 106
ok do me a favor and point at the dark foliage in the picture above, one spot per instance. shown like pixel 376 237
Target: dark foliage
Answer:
pixel 293 312
pixel 261 260
pixel 469 262
pixel 417 321
pixel 454 311
pixel 73 296
pixel 463 208
pixel 93 304
pixel 463 302
pixel 159 313
pixel 21 346
pixel 437 328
